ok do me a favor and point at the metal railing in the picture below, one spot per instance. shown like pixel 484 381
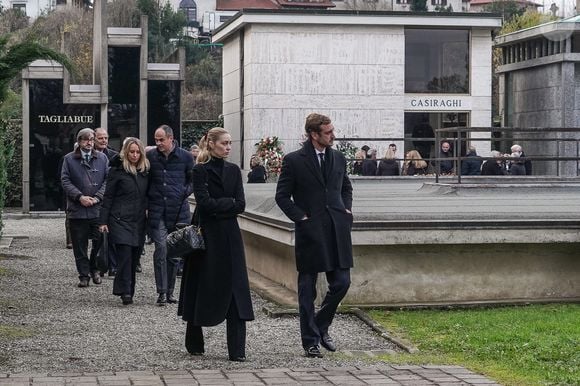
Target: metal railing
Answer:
pixel 556 145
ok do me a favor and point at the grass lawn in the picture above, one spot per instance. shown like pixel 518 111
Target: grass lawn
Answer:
pixel 524 345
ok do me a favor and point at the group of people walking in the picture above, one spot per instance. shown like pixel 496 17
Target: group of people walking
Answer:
pixel 141 191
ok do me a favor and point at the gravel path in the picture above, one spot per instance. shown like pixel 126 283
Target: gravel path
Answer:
pixel 66 329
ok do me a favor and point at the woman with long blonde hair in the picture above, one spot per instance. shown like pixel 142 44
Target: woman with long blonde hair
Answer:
pixel 414 164
pixel 122 215
pixel 215 285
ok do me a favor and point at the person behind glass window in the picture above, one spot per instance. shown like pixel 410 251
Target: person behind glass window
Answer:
pixel 123 213
pixel 215 284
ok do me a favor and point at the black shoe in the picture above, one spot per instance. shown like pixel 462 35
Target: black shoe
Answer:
pixel 313 352
pixel 161 300
pixel 84 282
pixel 327 342
pixel 238 359
pixel 96 278
pixel 179 272
pixel 69 246
pixel 127 299
pixel 171 299
pixel 138 268
pixel 112 272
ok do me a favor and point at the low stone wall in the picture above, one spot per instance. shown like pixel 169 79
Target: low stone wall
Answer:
pixel 419 243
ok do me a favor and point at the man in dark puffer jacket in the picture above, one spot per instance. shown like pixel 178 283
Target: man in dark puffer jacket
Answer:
pixel 169 187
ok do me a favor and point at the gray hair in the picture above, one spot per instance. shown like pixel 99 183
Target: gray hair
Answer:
pixel 85 133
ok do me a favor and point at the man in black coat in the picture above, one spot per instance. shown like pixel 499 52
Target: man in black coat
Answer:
pixel 315 192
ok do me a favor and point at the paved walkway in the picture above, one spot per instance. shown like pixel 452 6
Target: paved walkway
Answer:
pixel 383 375
pixel 65 342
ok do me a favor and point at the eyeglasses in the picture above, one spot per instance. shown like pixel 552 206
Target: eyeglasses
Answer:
pixel 88 139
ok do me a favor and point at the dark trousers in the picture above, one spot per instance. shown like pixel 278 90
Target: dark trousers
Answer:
pixel 165 267
pixel 112 263
pixel 81 231
pixel 236 334
pixel 127 260
pixel 315 324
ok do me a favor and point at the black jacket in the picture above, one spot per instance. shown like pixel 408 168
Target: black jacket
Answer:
pixel 388 167
pixel 492 168
pixel 471 165
pixel 257 175
pixel 323 240
pixel 369 167
pixel 124 205
pixel 215 277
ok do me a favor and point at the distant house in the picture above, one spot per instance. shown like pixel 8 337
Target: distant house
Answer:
pixel 480 5
pixel 35 8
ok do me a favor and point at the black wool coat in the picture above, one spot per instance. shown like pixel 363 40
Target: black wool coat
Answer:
pixel 124 205
pixel 215 277
pixel 323 241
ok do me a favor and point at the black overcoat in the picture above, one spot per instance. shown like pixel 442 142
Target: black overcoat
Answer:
pixel 211 279
pixel 323 241
pixel 124 205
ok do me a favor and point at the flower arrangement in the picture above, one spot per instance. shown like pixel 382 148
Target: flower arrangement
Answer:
pixel 269 149
pixel 349 151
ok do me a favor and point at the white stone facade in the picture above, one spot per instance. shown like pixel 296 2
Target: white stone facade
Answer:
pixel 351 68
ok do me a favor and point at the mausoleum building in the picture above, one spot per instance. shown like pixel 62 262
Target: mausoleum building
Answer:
pixel 376 74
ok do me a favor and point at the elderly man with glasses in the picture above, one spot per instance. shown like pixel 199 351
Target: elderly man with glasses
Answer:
pixel 83 176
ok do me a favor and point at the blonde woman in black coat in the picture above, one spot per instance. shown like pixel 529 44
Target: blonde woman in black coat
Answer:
pixel 215 283
pixel 122 215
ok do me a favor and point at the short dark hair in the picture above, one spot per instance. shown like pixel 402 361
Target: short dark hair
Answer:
pixel 314 121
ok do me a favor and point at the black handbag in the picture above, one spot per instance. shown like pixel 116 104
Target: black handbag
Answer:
pixel 184 241
pixel 102 257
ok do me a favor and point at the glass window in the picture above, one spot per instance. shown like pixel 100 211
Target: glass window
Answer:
pixel 437 61
pixel 20 7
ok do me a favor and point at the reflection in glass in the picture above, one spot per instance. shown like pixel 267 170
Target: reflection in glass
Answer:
pixel 52 135
pixel 436 61
pixel 163 104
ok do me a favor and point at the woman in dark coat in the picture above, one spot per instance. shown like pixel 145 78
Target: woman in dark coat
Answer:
pixel 257 173
pixel 122 215
pixel 414 164
pixel 389 166
pixel 215 283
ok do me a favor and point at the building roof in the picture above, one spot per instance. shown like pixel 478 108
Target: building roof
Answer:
pixel 318 17
pixel 554 30
pixel 236 5
pixel 521 2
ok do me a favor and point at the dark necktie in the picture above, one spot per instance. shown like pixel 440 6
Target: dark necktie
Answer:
pixel 322 165
pixel 88 158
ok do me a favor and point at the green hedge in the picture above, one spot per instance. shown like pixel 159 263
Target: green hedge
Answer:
pixel 7 142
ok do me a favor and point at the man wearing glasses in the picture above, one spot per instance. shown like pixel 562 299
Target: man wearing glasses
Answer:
pixel 83 176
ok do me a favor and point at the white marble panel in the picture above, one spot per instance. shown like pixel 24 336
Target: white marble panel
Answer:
pixel 232 106
pixel 329 48
pixel 325 79
pixel 481 118
pixel 481 81
pixel 231 86
pixel 328 102
pixel 231 55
